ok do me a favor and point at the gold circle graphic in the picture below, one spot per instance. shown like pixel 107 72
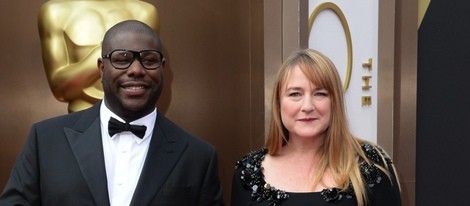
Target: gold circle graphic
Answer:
pixel 347 33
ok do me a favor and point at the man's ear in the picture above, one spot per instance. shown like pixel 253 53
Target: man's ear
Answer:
pixel 163 64
pixel 99 64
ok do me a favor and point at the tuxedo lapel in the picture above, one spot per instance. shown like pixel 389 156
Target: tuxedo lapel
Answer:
pixel 85 140
pixel 164 152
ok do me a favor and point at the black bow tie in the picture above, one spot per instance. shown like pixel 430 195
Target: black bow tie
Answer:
pixel 115 126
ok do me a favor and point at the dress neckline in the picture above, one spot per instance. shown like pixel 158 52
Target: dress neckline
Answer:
pixel 252 177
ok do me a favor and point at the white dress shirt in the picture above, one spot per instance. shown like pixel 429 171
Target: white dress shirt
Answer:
pixel 124 156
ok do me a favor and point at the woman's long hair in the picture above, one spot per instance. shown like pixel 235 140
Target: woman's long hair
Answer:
pixel 341 151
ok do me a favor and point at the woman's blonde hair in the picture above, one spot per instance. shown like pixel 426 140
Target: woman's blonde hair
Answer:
pixel 341 151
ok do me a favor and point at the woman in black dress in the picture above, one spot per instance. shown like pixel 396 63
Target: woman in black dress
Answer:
pixel 311 158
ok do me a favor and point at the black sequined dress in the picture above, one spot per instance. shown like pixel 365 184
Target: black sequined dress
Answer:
pixel 249 187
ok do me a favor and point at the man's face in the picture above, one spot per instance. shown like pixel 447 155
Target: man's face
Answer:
pixel 133 92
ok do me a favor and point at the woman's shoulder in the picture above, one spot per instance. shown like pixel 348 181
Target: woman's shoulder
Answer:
pixel 380 175
pixel 378 164
pixel 249 172
pixel 377 155
pixel 252 160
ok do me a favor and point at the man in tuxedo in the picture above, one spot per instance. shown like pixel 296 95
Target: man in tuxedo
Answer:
pixel 122 150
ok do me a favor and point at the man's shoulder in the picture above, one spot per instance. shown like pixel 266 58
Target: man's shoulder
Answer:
pixel 70 118
pixel 177 132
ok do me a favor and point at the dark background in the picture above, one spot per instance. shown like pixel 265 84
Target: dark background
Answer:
pixel 443 105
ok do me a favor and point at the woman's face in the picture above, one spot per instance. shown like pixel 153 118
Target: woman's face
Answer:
pixel 305 108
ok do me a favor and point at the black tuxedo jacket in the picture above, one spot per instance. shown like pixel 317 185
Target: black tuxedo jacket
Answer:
pixel 62 163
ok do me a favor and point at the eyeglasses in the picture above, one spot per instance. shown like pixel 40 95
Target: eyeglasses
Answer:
pixel 122 58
